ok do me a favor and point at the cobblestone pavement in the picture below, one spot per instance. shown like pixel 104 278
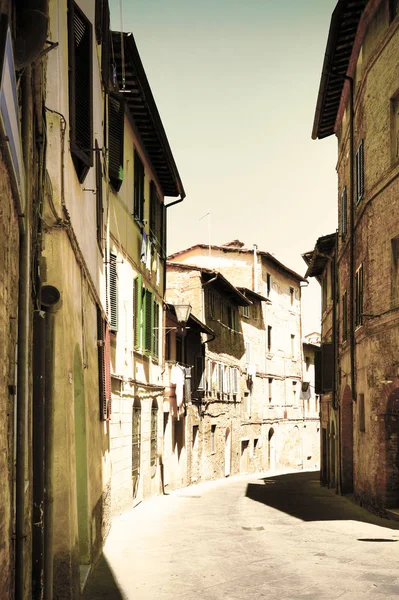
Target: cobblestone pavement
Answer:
pixel 281 537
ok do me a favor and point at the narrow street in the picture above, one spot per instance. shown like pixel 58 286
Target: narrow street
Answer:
pixel 281 537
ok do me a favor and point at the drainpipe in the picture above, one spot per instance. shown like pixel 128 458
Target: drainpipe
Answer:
pixel 335 404
pixel 255 286
pixel 182 196
pixel 22 425
pixel 352 243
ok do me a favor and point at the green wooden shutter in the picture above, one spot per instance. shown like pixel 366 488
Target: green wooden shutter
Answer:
pixel 137 310
pixel 148 321
pixel 156 330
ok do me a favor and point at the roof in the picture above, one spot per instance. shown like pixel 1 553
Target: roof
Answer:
pixel 193 321
pixel 239 250
pixel 317 258
pixel 254 295
pixel 136 92
pixel 218 281
pixel 341 37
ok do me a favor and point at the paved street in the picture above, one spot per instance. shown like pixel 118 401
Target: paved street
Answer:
pixel 281 537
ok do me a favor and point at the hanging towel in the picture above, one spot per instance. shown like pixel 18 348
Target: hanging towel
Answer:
pixel 143 254
pixel 148 257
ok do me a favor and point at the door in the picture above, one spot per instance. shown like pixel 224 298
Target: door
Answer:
pixel 136 445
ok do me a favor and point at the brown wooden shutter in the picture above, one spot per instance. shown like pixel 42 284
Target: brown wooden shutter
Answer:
pixel 327 367
pixel 116 113
pixel 80 89
pixel 138 188
pixel 113 292
pixel 318 372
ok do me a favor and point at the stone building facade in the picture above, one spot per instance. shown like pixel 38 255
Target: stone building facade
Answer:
pixel 275 430
pixel 361 64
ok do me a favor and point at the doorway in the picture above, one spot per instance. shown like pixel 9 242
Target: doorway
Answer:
pixel 136 445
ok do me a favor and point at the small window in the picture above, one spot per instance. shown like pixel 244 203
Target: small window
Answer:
pixel 245 312
pixel 344 317
pixel 195 436
pixel 268 284
pixel 344 213
pixel 292 296
pixel 213 439
pixel 113 293
pixel 359 281
pixel 362 418
pixel 360 172
pixel 270 389
pixel 80 89
pixel 138 188
pixel 269 338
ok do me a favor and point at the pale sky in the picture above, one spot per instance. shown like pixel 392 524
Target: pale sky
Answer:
pixel 236 85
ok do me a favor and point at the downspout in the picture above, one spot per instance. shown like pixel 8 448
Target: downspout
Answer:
pixel 352 243
pixel 335 359
pixel 182 196
pixel 23 433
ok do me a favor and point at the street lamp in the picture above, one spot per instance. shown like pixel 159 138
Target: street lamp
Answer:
pixel 183 312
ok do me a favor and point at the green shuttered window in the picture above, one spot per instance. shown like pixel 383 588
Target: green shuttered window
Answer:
pixel 116 113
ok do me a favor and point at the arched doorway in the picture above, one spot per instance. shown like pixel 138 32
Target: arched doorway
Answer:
pixel 136 445
pixel 227 452
pixel 347 441
pixel 81 458
pixel 271 455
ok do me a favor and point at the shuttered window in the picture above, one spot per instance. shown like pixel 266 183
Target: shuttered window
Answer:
pixel 113 293
pixel 156 215
pixel 154 433
pixel 344 213
pixel 137 307
pixel 80 61
pixel 104 372
pixel 148 322
pixel 116 113
pixel 138 188
pixel 360 172
pixel 99 198
pixel 359 281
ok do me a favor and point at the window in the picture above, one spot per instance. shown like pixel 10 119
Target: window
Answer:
pixel 268 284
pixel 213 439
pixel 292 346
pixel 359 296
pixel 80 89
pixel 102 22
pixel 138 188
pixel 362 418
pixel 211 304
pixel 345 317
pixel 113 293
pixel 156 331
pixel 99 198
pixel 235 384
pixel 232 318
pixel 137 311
pixel 292 296
pixel 195 436
pixel 245 312
pixel 360 172
pixel 270 389
pixel 104 371
pixel 219 375
pixel 148 322
pixel 116 115
pixel 344 213
pixel 269 338
pixel 154 433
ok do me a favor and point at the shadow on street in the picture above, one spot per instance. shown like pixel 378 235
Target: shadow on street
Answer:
pixel 301 495
pixel 102 584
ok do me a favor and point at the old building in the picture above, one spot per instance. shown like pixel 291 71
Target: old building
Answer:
pixel 321 264
pixel 358 102
pixel 275 431
pixel 213 417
